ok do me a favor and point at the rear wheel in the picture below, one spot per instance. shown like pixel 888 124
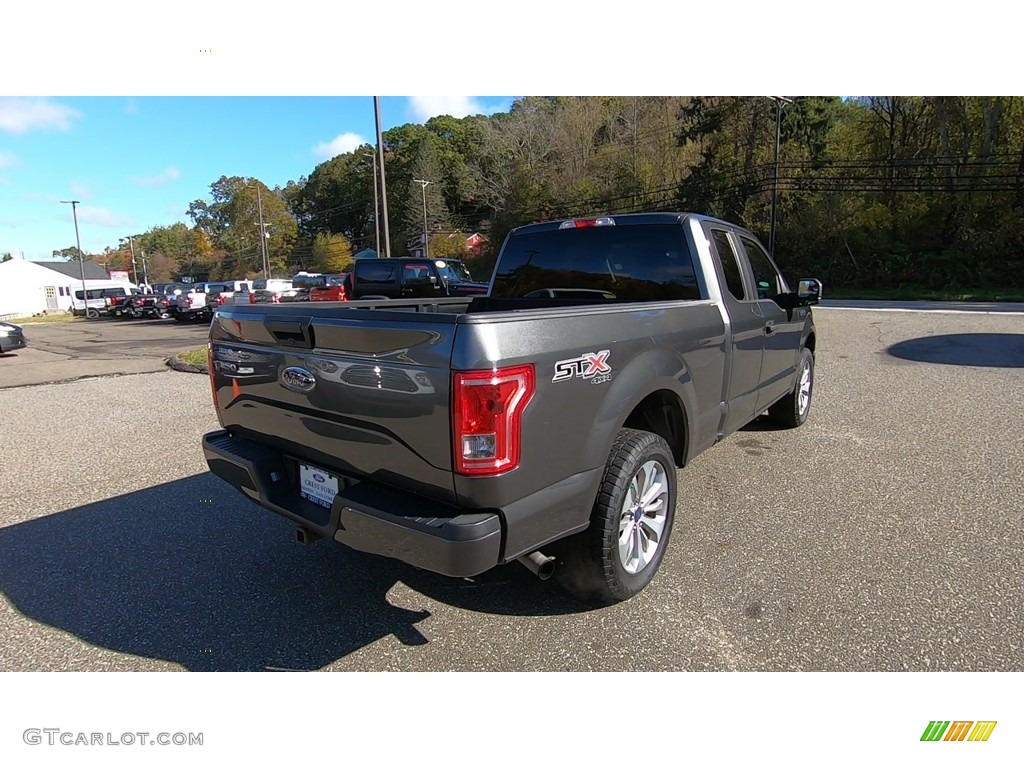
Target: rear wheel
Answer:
pixel 619 554
pixel 93 313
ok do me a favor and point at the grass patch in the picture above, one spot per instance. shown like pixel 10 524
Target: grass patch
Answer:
pixel 193 356
pixel 63 317
pixel 924 294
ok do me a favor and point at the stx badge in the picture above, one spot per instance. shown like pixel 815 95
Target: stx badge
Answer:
pixel 591 365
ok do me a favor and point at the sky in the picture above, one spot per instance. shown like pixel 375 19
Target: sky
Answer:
pixel 136 163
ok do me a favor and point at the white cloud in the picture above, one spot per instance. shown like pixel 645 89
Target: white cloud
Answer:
pixel 423 108
pixel 21 115
pixel 7 160
pixel 339 145
pixel 80 190
pixel 168 176
pixel 103 217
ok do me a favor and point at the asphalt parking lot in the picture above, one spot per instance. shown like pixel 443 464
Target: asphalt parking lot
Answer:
pixel 883 535
pixel 74 350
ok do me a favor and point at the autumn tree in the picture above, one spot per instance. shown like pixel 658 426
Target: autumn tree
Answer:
pixel 331 253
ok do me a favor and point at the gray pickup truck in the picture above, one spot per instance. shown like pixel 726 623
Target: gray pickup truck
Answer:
pixel 542 423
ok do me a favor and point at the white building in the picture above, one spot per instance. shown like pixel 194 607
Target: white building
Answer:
pixel 33 287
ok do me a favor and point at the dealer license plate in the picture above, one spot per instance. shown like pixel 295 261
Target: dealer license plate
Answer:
pixel 317 486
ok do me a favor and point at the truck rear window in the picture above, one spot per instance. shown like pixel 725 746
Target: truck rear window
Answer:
pixel 642 262
pixel 372 272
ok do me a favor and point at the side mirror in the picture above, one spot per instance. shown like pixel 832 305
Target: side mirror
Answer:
pixel 809 290
pixel 433 279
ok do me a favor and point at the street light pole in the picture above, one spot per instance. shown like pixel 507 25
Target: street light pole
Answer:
pixel 81 256
pixel 779 101
pixel 383 177
pixel 376 201
pixel 145 272
pixel 426 233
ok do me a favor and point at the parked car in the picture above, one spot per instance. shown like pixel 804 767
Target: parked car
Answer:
pixel 557 424
pixel 12 337
pixel 331 288
pixel 102 299
pixel 411 278
pixel 272 291
pixel 302 283
pixel 200 302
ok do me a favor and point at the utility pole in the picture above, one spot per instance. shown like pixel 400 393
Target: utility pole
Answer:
pixel 383 179
pixel 263 232
pixel 145 272
pixel 376 208
pixel 779 101
pixel 135 269
pixel 81 256
pixel 426 232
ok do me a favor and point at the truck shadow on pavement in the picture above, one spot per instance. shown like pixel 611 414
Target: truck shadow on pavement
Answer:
pixel 192 573
pixel 990 350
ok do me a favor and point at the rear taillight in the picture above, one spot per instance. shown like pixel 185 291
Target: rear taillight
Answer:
pixel 252 298
pixel 487 414
pixel 341 293
pixel 276 299
pixel 213 378
pixel 220 298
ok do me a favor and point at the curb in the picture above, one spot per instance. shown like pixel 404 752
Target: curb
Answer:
pixel 178 365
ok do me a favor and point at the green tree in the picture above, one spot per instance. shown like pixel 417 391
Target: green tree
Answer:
pixel 426 167
pixel 331 253
pixel 6 257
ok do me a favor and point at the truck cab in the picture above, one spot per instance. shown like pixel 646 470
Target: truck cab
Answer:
pixel 412 278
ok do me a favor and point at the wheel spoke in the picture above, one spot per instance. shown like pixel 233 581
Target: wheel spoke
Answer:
pixel 654 490
pixel 653 526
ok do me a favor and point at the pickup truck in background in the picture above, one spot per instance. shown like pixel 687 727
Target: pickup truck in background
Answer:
pixel 199 302
pixel 409 278
pixel 269 291
pixel 331 288
pixel 543 423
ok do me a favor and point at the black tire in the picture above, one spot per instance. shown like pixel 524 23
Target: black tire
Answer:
pixel 92 313
pixel 787 412
pixel 590 566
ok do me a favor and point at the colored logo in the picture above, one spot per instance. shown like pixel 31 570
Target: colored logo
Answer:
pixel 297 380
pixel 319 478
pixel 958 730
pixel 586 366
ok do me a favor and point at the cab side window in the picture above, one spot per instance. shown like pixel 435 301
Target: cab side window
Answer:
pixel 766 277
pixel 730 264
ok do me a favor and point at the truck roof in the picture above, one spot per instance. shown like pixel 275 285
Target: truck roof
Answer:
pixel 621 219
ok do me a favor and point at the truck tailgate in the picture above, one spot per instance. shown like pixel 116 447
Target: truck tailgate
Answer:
pixel 361 393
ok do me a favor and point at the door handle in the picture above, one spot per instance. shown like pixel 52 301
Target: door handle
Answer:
pixel 769 328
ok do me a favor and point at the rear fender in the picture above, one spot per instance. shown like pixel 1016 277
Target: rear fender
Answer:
pixel 654 370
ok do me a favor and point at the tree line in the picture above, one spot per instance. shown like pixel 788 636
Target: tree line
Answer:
pixel 873 192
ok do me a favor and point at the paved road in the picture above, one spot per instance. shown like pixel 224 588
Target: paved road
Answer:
pixel 67 351
pixel 883 535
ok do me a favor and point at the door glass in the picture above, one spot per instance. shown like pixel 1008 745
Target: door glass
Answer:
pixel 730 265
pixel 766 277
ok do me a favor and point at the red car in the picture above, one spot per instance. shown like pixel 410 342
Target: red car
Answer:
pixel 331 288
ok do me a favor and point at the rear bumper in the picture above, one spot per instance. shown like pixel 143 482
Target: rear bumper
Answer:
pixel 364 516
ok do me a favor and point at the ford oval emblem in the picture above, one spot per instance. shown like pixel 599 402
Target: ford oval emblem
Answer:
pixel 297 380
pixel 319 478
